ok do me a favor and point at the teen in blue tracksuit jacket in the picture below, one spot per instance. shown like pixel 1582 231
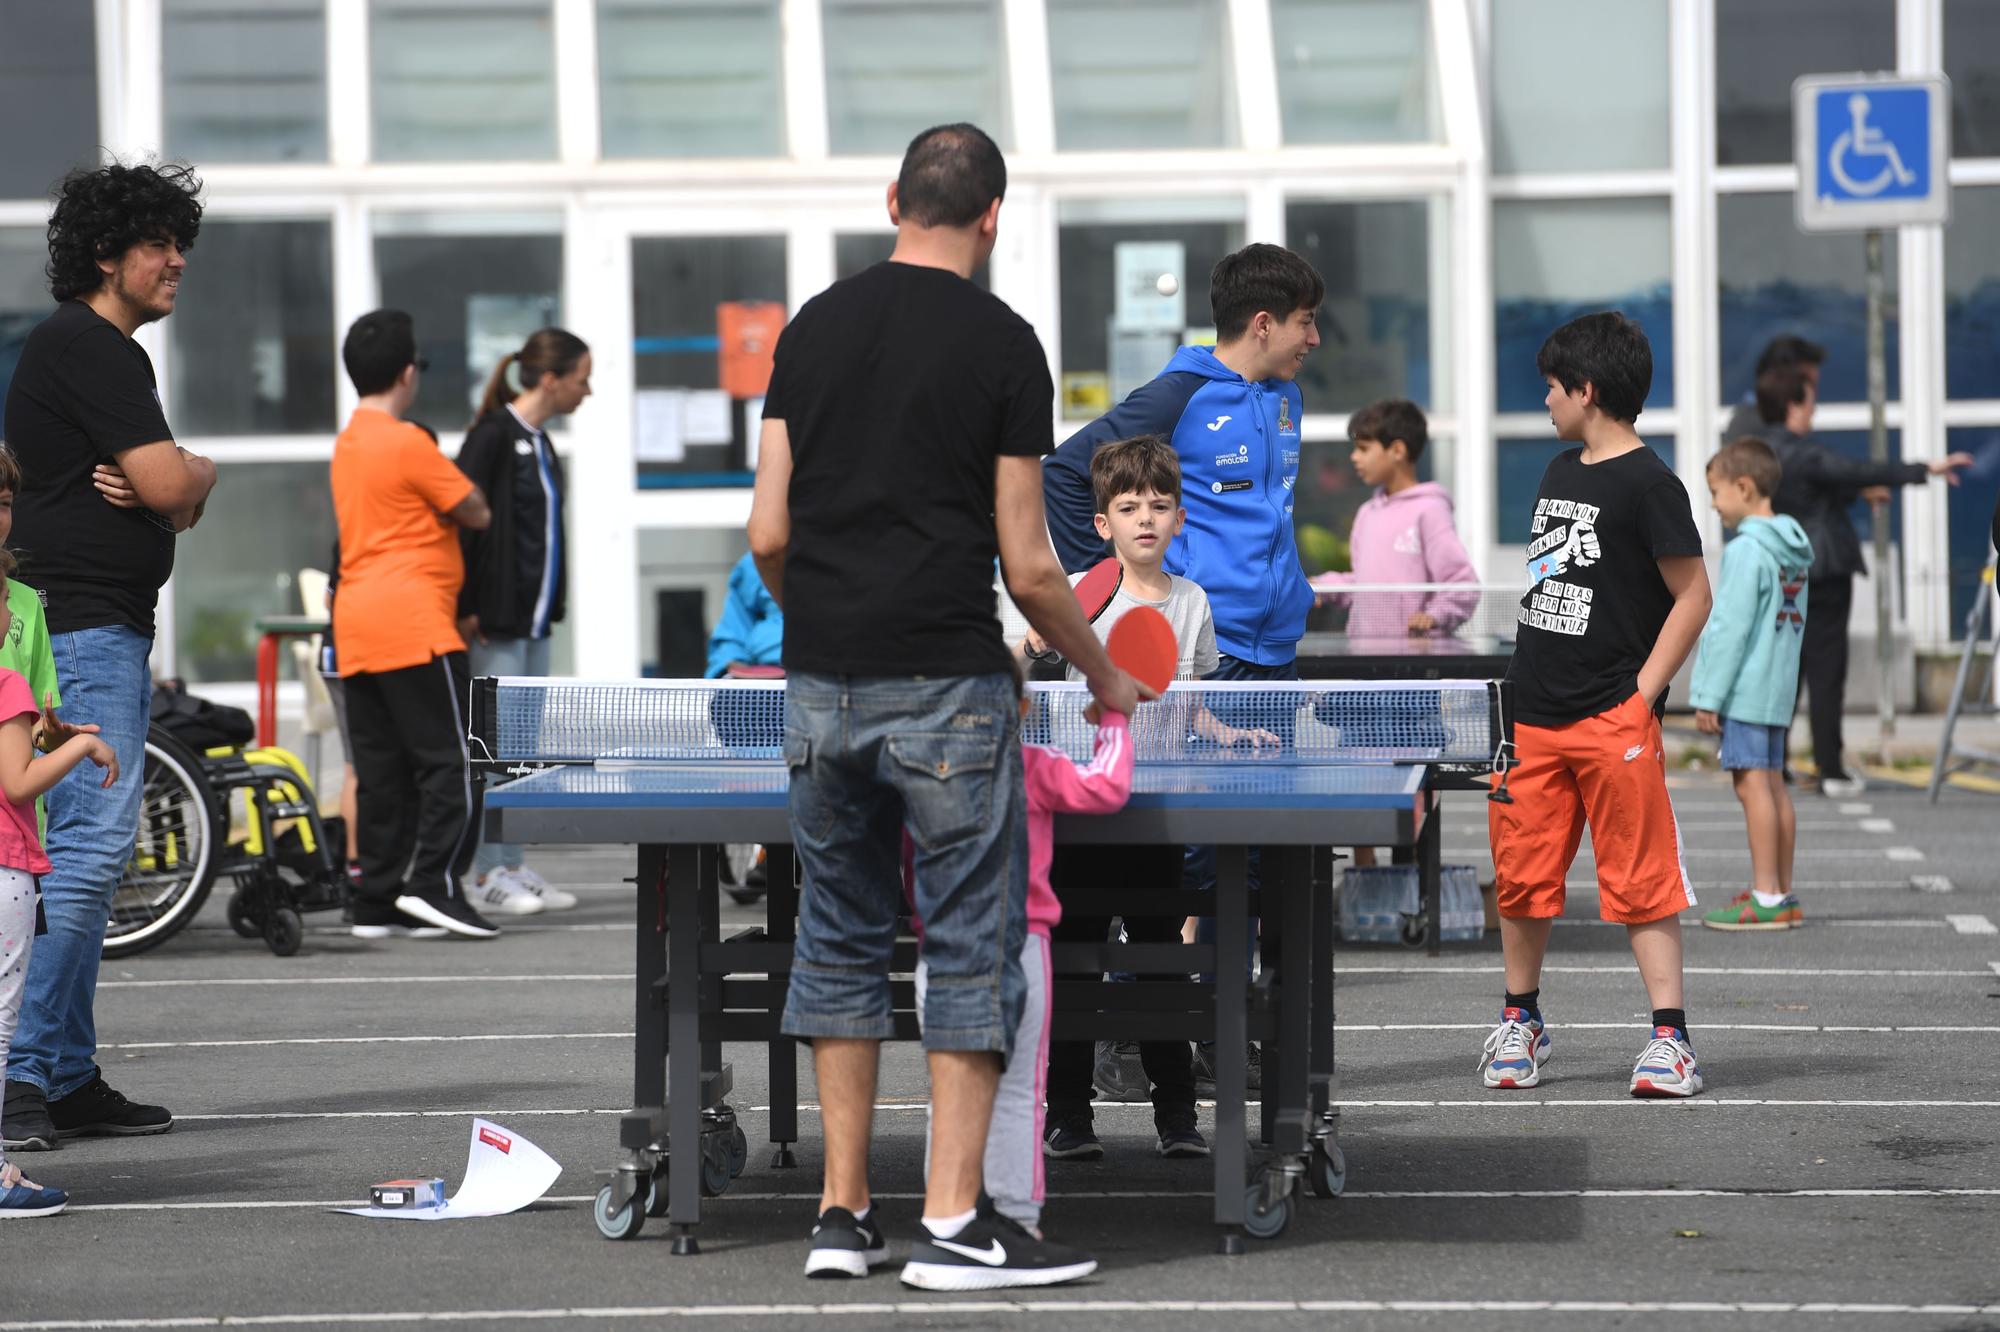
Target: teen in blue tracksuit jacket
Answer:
pixel 1238 443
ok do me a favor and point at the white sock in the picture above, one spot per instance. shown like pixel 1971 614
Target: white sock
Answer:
pixel 948 1227
pixel 862 1215
pixel 1767 900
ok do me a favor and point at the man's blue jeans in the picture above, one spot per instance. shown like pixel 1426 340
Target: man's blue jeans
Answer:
pixel 868 757
pixel 104 678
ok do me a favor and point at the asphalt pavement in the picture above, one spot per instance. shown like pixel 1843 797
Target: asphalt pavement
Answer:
pixel 1843 1168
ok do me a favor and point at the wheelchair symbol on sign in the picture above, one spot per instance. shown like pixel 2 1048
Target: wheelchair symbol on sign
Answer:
pixel 1864 140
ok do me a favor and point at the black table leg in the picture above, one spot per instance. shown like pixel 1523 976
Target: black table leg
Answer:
pixel 1429 853
pixel 1322 1060
pixel 684 1045
pixel 649 1019
pixel 1287 1087
pixel 781 907
pixel 1232 924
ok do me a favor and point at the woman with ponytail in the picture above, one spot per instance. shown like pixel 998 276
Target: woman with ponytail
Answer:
pixel 515 570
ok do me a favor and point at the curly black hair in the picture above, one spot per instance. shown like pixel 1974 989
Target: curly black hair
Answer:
pixel 102 212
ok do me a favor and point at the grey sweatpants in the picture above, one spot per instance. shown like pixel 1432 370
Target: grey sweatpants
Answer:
pixel 1014 1138
pixel 17 936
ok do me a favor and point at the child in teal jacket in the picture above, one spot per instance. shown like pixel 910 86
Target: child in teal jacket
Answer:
pixel 1746 677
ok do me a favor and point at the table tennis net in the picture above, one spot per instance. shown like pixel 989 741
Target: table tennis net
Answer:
pixel 539 720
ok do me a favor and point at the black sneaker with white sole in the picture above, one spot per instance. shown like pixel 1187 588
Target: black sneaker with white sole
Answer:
pixel 845 1246
pixel 1066 1141
pixel 1182 1141
pixel 451 913
pixel 386 922
pixel 993 1252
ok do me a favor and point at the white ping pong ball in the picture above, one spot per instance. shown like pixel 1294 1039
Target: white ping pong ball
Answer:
pixel 1168 284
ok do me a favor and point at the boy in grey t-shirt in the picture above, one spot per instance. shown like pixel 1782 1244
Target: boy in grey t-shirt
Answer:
pixel 1137 484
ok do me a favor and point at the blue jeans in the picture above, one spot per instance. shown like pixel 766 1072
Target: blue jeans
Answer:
pixel 942 756
pixel 1198 865
pixel 504 656
pixel 104 679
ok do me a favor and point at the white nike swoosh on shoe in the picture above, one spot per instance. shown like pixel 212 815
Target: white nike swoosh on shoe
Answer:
pixel 992 1256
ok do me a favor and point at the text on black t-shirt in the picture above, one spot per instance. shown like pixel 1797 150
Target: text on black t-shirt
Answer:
pixel 900 388
pixel 1596 601
pixel 82 394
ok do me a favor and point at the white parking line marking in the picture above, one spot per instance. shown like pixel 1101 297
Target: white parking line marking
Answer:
pixel 383 1040
pixel 931 1310
pixel 1877 826
pixel 1900 853
pixel 208 981
pixel 1973 925
pixel 1494 969
pixel 1107 1195
pixel 1853 807
pixel 1930 883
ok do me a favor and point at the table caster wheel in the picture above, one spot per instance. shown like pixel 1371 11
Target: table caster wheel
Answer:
pixel 739 1150
pixel 622 1224
pixel 1263 1219
pixel 715 1176
pixel 284 931
pixel 1327 1171
pixel 656 1191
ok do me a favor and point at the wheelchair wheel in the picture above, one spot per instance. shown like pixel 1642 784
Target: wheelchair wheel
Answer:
pixel 174 860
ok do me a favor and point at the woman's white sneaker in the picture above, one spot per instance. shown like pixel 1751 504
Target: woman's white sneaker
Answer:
pixel 500 893
pixel 552 897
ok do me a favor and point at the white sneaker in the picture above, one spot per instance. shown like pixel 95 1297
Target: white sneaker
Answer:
pixel 1842 788
pixel 1515 1051
pixel 499 893
pixel 550 896
pixel 1666 1067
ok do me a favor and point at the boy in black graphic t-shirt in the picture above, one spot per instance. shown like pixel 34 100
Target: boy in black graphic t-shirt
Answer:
pixel 1617 596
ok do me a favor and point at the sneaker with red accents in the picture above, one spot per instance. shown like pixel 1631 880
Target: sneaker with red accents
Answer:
pixel 1666 1066
pixel 1745 912
pixel 1515 1050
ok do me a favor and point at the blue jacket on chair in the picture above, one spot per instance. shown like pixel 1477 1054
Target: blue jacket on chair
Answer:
pixel 1238 443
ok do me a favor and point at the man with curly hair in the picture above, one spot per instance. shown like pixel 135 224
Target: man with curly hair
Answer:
pixel 105 488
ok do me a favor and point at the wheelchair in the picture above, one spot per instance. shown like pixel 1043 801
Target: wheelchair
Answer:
pixel 289 860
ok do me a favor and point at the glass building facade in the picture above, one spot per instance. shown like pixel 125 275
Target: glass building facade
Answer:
pixel 659 175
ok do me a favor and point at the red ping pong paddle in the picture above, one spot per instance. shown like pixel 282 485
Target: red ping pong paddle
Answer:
pixel 1095 589
pixel 1142 644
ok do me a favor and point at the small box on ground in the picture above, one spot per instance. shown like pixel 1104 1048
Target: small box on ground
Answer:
pixel 407 1193
pixel 1384 903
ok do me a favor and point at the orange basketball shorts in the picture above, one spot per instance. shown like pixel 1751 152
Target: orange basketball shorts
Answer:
pixel 1608 772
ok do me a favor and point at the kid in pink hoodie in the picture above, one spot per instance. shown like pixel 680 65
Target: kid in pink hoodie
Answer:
pixel 1403 535
pixel 1056 784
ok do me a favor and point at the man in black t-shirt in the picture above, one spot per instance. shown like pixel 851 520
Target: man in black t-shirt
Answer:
pixel 105 488
pixel 1617 596
pixel 904 426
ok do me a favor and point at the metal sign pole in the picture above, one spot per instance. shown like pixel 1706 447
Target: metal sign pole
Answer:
pixel 1878 451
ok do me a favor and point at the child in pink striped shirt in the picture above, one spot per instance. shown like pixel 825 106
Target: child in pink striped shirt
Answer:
pixel 1056 784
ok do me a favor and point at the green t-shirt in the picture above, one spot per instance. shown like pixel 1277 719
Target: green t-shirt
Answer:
pixel 26 650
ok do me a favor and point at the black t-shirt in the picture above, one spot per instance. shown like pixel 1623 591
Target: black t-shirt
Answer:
pixel 899 388
pixel 1595 600
pixel 83 394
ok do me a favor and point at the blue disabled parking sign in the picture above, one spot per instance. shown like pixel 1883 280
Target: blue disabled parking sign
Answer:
pixel 1872 150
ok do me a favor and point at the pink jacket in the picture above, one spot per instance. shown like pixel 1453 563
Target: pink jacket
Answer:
pixel 1057 784
pixel 1404 538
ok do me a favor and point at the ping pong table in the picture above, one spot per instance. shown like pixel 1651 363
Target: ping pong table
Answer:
pixel 675 768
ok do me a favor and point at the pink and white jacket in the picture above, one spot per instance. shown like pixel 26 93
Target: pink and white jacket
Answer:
pixel 1057 784
pixel 1408 537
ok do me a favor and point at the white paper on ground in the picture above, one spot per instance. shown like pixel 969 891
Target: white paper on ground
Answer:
pixel 504 1172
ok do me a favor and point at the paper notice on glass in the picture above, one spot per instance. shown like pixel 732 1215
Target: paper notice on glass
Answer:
pixel 659 425
pixel 707 417
pixel 504 1172
pixel 753 431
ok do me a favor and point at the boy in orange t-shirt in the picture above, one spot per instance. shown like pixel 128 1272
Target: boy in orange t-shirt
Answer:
pixel 402 663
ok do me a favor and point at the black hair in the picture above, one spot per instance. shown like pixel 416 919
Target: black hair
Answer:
pixel 1390 419
pixel 951 175
pixel 1778 388
pixel 1607 349
pixel 1260 277
pixel 102 212
pixel 379 347
pixel 1790 349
